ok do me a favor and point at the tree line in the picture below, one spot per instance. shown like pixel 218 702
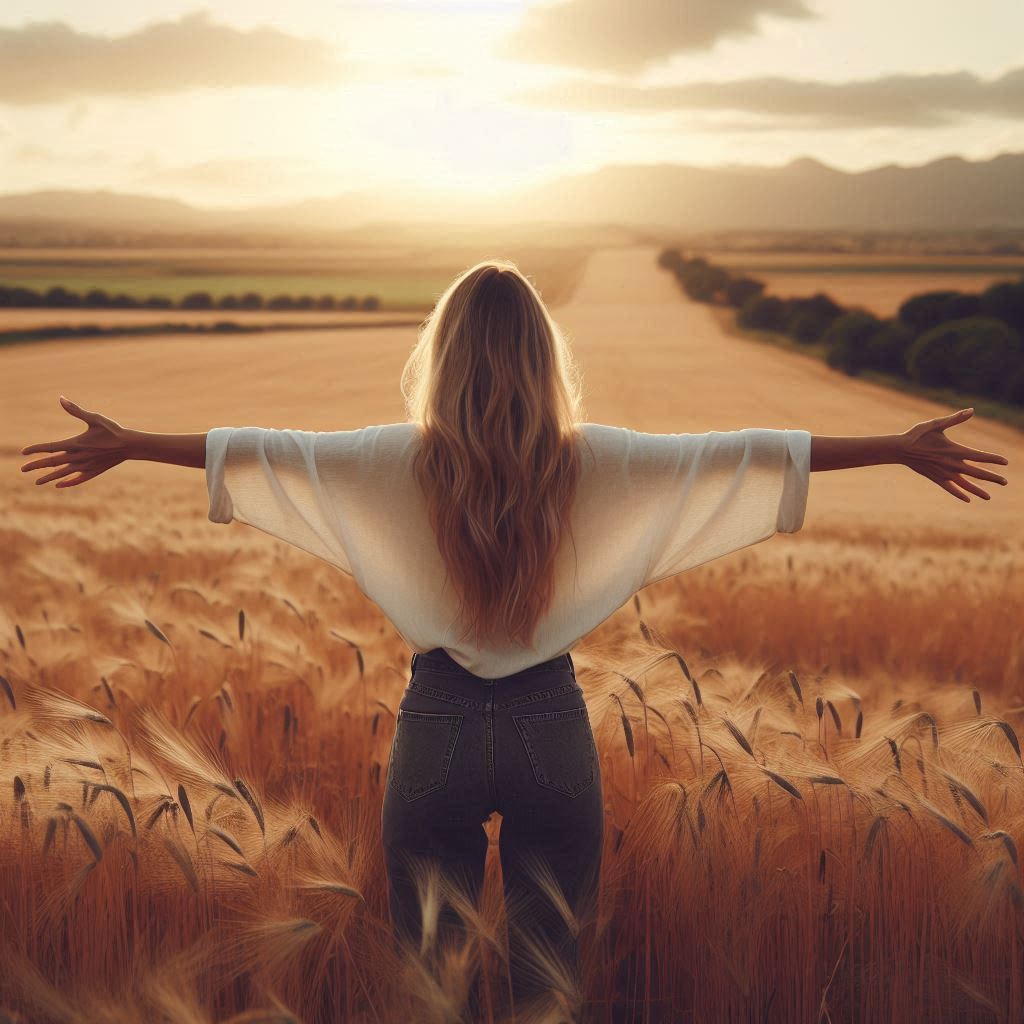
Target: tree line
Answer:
pixel 967 341
pixel 99 298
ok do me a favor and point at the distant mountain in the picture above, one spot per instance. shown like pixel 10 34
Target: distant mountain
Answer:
pixel 949 193
pixel 102 206
pixel 946 193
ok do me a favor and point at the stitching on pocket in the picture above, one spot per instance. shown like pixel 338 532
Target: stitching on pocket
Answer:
pixel 435 781
pixel 574 787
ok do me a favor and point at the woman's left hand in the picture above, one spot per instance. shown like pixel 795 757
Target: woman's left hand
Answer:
pixel 927 450
pixel 103 445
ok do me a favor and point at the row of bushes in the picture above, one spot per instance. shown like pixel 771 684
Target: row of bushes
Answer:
pixel 946 338
pixel 98 298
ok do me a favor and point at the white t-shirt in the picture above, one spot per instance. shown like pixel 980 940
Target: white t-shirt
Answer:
pixel 647 506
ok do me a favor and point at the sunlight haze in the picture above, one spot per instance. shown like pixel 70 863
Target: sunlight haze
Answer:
pixel 238 104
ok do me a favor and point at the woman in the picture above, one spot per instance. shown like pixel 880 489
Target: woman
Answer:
pixel 452 522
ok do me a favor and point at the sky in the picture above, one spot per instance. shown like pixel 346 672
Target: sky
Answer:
pixel 246 102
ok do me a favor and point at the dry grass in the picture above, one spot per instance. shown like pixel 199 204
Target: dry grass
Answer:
pixel 191 798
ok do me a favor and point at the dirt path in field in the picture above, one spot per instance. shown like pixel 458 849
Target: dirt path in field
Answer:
pixel 654 360
pixel 651 360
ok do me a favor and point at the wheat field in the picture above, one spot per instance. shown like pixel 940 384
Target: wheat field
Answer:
pixel 810 748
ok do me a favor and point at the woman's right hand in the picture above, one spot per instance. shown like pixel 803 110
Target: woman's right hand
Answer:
pixel 103 445
pixel 927 450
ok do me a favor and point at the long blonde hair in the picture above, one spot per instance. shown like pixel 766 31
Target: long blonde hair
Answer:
pixel 494 388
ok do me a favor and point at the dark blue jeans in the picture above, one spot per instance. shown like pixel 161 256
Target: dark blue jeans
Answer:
pixel 522 746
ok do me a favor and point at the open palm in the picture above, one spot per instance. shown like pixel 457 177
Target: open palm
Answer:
pixel 101 446
pixel 927 450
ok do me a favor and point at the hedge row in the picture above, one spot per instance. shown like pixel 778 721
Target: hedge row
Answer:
pixel 946 338
pixel 98 298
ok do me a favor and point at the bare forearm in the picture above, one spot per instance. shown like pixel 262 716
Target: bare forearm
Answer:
pixel 176 449
pixel 847 452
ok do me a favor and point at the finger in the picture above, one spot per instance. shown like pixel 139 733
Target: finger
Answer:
pixel 54 460
pixel 76 410
pixel 975 455
pixel 66 445
pixel 981 474
pixel 973 488
pixel 89 470
pixel 942 483
pixel 82 477
pixel 56 474
pixel 957 417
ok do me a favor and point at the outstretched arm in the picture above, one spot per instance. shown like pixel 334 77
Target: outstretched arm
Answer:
pixel 105 444
pixel 924 448
pixel 265 478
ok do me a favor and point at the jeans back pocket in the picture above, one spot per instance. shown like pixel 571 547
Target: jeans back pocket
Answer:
pixel 560 746
pixel 421 752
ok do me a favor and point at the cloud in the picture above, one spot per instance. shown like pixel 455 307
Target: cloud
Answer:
pixel 627 35
pixel 47 62
pixel 906 101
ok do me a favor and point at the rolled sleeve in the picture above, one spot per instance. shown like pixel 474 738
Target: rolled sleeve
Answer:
pixel 269 479
pixel 221 507
pixel 702 496
pixel 796 479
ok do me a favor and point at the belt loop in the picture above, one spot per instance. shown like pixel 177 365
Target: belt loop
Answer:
pixel 572 667
pixel 412 663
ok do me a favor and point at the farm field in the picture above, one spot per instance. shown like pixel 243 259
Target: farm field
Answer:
pixel 402 277
pixel 819 807
pixel 877 284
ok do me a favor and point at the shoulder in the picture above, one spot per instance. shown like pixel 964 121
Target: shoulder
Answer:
pixel 372 440
pixel 638 447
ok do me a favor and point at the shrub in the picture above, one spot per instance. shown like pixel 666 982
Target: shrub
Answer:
pixel 197 300
pixel 819 304
pixel 739 289
pixel 764 312
pixel 25 297
pixel 1005 301
pixel 670 259
pixel 923 312
pixel 251 300
pixel 976 354
pixel 887 347
pixel 807 319
pixel 158 302
pixel 806 327
pixel 1014 390
pixel 349 302
pixel 58 296
pixel 371 302
pixel 228 302
pixel 703 283
pixel 847 340
pixel 960 306
pixel 281 302
pixel 325 302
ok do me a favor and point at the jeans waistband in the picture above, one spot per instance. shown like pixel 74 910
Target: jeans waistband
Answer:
pixel 441 661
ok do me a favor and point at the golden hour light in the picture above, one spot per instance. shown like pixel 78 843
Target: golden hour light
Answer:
pixel 511 512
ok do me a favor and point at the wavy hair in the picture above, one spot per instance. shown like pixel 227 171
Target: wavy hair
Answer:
pixel 494 388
